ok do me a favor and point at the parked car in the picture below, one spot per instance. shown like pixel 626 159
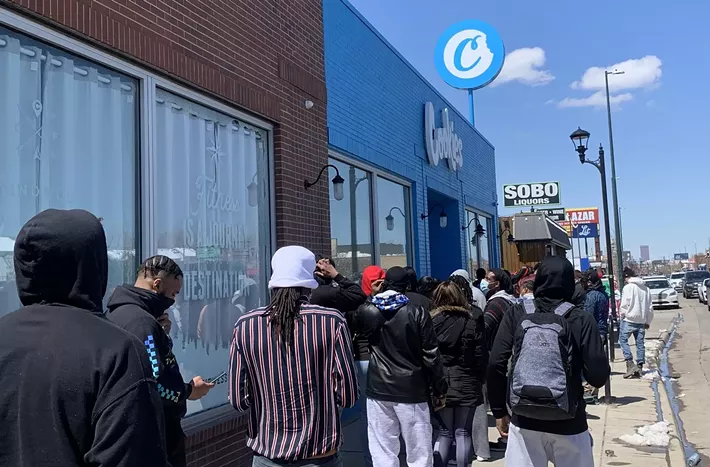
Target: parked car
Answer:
pixel 662 294
pixel 676 279
pixel 691 281
pixel 703 291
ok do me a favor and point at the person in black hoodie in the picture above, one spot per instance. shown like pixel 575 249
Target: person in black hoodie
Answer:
pixel 142 310
pixel 532 441
pixel 580 289
pixel 334 290
pixel 460 330
pixel 77 391
pixel 404 375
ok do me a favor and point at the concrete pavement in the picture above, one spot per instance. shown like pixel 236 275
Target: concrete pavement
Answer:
pixel 634 405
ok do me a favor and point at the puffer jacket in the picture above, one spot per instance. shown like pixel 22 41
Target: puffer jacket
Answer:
pixel 597 303
pixel 464 353
pixel 405 363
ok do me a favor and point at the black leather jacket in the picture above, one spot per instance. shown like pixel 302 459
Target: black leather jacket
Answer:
pixel 405 363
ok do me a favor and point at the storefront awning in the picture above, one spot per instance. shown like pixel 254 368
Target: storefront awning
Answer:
pixel 537 227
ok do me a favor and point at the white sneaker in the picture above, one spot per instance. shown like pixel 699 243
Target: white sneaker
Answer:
pixel 481 459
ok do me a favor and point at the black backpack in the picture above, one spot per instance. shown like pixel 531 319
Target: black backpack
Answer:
pixel 540 378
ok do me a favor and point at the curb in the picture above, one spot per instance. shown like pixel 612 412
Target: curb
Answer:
pixel 676 455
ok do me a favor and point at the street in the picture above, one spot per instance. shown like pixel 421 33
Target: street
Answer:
pixel 635 404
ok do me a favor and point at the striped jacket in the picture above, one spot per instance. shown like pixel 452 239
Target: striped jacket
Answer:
pixel 294 391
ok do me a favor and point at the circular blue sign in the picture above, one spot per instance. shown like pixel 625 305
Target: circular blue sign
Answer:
pixel 469 54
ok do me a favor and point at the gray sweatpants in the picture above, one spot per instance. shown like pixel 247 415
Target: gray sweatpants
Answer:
pixel 387 420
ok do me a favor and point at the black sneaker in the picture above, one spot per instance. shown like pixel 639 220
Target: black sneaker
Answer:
pixel 499 446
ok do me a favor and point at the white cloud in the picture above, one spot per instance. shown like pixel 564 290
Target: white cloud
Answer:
pixel 598 99
pixel 523 65
pixel 638 73
pixel 641 73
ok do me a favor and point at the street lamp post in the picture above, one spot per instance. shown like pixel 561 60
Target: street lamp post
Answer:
pixel 580 138
pixel 617 221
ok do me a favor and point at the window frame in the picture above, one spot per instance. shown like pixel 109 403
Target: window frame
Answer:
pixel 147 84
pixel 376 173
pixel 488 218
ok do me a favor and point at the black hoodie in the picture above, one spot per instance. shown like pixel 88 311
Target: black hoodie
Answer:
pixel 76 390
pixel 554 284
pixel 137 311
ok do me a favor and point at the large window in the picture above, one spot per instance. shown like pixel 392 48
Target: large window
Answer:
pixel 364 232
pixel 351 222
pixel 212 217
pixel 73 134
pixel 67 140
pixel 479 246
pixel 394 223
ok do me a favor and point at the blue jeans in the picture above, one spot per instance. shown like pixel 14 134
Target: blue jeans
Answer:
pixel 332 461
pixel 639 332
pixel 362 366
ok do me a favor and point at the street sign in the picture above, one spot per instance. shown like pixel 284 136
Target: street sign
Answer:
pixel 680 256
pixel 583 216
pixel 531 194
pixel 585 231
pixel 556 214
pixel 469 54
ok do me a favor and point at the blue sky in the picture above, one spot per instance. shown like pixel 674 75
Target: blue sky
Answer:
pixel 661 119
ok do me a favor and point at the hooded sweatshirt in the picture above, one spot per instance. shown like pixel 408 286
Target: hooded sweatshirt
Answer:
pixel 76 390
pixel 554 285
pixel 636 302
pixel 479 298
pixel 137 311
pixel 498 303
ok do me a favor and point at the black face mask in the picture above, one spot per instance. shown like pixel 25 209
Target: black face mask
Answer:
pixel 164 301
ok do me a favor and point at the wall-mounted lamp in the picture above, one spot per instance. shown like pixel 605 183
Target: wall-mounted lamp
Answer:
pixel 510 238
pixel 390 218
pixel 443 219
pixel 338 182
pixel 478 232
pixel 253 192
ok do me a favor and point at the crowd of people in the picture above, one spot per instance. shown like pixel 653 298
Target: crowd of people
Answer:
pixel 427 359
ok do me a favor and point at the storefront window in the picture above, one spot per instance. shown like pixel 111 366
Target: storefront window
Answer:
pixel 67 141
pixel 351 222
pixel 394 223
pixel 211 216
pixel 479 250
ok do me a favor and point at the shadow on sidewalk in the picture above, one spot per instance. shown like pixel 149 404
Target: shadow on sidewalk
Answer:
pixel 627 400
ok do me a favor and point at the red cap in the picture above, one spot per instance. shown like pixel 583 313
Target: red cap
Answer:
pixel 370 275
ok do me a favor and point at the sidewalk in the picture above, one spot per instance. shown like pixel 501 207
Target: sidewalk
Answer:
pixel 634 406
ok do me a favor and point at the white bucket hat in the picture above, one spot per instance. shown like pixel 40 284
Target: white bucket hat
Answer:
pixel 293 266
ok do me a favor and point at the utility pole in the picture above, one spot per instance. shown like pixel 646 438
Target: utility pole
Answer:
pixel 615 199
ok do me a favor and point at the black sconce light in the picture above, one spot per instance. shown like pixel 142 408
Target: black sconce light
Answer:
pixel 390 218
pixel 443 219
pixel 510 239
pixel 253 192
pixel 478 232
pixel 338 182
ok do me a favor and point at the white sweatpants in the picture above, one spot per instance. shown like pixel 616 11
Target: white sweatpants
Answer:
pixel 387 420
pixel 528 448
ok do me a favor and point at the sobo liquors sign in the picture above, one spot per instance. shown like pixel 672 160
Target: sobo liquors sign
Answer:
pixel 531 194
pixel 442 143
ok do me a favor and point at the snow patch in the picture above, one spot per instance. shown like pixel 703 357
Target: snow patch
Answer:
pixel 650 435
pixel 650 375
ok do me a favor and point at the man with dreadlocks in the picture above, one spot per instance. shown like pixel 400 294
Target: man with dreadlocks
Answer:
pixel 291 363
pixel 141 310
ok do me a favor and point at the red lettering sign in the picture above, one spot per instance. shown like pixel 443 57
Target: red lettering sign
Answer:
pixel 583 216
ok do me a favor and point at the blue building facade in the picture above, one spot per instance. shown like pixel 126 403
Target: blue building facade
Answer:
pixel 376 134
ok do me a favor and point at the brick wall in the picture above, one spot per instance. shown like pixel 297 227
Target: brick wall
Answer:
pixel 376 114
pixel 263 56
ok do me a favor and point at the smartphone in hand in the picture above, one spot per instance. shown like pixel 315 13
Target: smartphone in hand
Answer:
pixel 219 379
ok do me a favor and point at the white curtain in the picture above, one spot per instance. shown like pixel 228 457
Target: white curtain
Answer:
pixel 207 164
pixel 67 140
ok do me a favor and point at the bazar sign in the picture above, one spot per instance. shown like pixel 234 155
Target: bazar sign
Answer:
pixel 585 231
pixel 556 214
pixel 531 194
pixel 442 143
pixel 583 216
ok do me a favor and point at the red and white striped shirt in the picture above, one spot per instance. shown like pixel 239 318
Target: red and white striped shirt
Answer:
pixel 294 391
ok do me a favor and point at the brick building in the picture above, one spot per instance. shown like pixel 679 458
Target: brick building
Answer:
pixel 189 127
pixel 378 142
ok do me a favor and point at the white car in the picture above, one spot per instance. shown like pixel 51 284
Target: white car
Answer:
pixel 662 294
pixel 703 291
pixel 676 279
